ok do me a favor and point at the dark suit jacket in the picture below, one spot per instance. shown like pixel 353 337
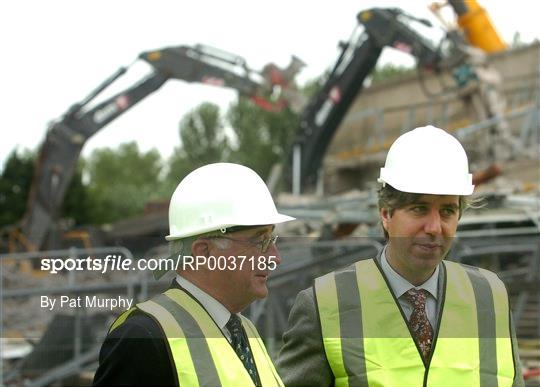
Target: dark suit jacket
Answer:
pixel 302 360
pixel 136 354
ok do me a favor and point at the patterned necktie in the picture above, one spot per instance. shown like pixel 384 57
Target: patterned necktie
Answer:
pixel 241 347
pixel 419 323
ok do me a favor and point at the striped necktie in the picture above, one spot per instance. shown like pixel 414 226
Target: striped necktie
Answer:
pixel 240 345
pixel 418 322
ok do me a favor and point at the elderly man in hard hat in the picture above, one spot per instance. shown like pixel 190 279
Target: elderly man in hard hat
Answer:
pixel 193 335
pixel 407 317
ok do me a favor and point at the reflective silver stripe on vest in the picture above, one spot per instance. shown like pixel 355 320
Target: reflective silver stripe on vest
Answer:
pixel 198 347
pixel 492 363
pixel 352 340
pixel 486 326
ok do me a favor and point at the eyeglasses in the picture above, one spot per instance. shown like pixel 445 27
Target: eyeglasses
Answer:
pixel 264 244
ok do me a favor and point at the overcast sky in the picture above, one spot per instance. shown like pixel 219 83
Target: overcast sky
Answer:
pixel 55 52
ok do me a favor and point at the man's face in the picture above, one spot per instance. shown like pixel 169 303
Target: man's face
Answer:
pixel 421 234
pixel 247 283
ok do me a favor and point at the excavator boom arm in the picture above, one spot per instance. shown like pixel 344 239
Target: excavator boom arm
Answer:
pixel 358 58
pixel 65 139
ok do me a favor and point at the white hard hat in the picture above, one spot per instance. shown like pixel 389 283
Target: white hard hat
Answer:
pixel 427 160
pixel 218 196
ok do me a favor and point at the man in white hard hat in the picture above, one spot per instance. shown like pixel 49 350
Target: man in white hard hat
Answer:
pixel 406 317
pixel 221 220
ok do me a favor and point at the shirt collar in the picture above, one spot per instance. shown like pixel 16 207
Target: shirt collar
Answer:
pixel 400 285
pixel 215 309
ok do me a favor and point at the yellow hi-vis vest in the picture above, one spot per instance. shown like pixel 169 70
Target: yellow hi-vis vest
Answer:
pixel 200 353
pixel 368 342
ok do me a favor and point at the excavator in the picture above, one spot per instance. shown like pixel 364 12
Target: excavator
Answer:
pixel 65 138
pixel 475 23
pixel 319 119
pixel 383 27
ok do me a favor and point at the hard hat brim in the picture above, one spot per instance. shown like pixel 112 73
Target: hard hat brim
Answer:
pixel 273 219
pixel 465 190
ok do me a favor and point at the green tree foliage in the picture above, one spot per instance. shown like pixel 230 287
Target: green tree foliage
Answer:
pixel 517 41
pixel 77 204
pixel 313 86
pixel 262 138
pixel 389 71
pixel 203 141
pixel 15 183
pixel 122 181
pixel 14 186
pixel 380 74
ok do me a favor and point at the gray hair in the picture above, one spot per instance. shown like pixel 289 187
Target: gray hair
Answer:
pixel 183 246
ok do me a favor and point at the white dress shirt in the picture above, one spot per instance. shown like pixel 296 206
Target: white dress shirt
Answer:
pixel 400 286
pixel 215 309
